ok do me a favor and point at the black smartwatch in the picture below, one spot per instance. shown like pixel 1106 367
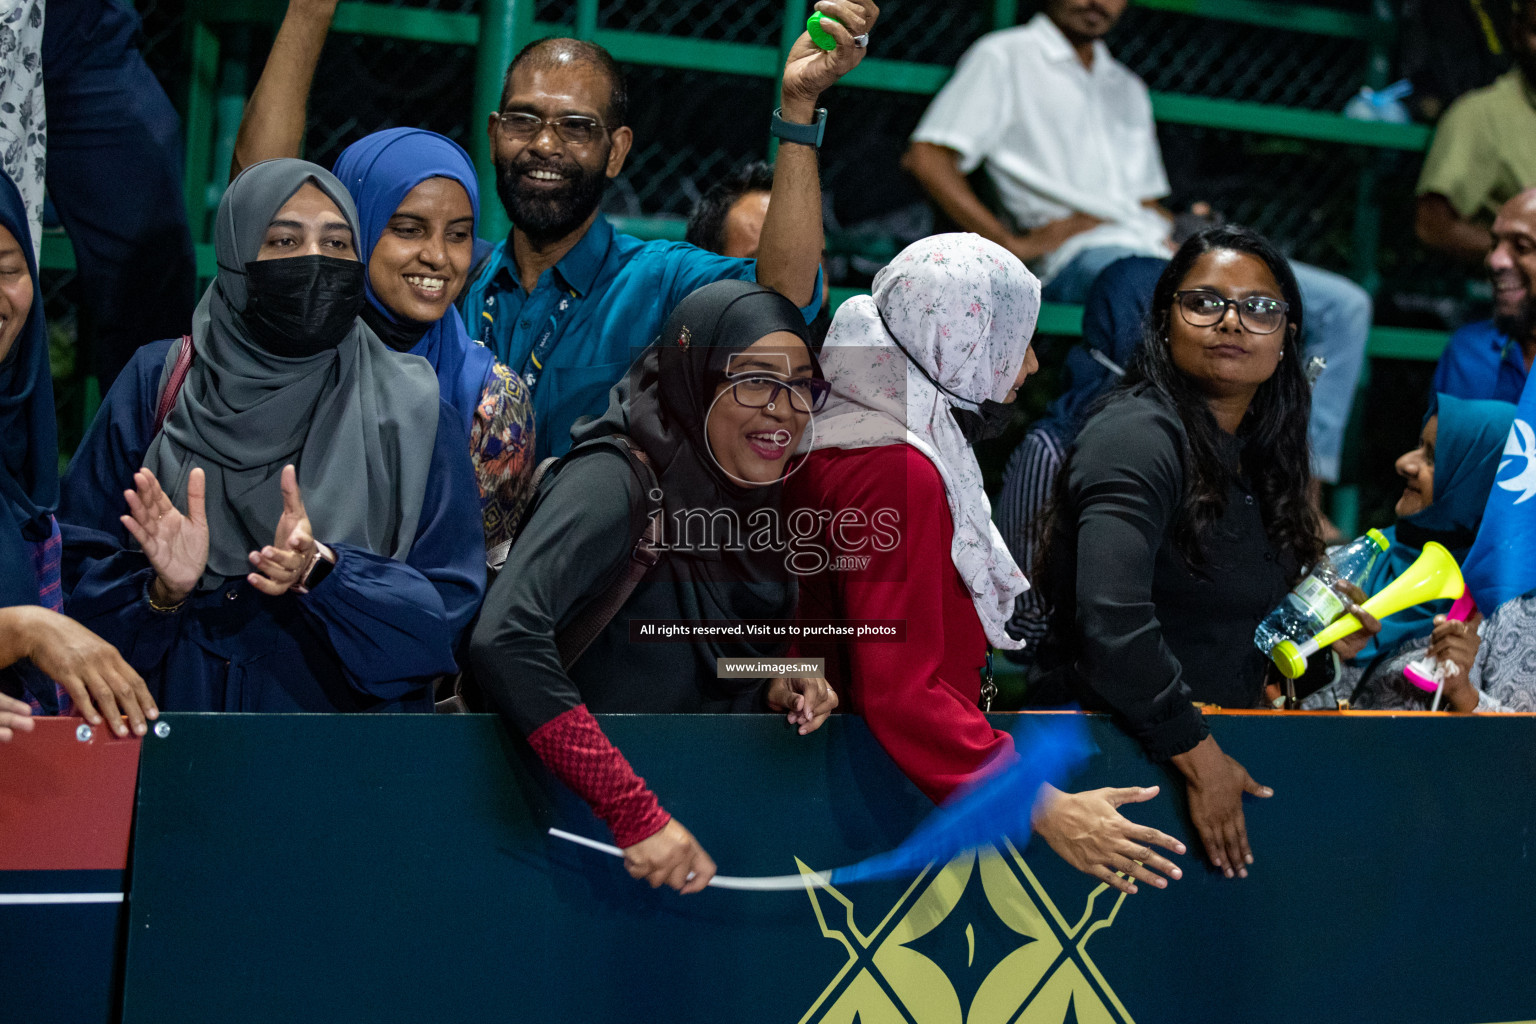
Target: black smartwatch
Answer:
pixel 804 134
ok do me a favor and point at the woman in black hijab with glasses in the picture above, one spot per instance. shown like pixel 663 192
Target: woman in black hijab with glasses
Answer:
pixel 301 533
pixel 717 406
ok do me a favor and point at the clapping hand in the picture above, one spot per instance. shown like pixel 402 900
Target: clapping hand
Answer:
pixel 175 544
pixel 280 567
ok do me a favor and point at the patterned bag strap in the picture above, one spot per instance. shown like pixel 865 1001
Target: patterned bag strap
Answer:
pixel 496 557
pixel 174 382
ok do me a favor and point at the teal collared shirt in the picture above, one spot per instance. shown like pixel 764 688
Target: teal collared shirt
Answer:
pixel 607 298
pixel 1481 362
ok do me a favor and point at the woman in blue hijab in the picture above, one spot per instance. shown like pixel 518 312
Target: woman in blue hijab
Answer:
pixel 417 205
pixel 1446 484
pixel 71 670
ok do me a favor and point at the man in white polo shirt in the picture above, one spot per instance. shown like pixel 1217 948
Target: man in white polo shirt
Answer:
pixel 1066 137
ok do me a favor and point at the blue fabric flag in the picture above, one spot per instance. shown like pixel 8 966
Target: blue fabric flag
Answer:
pixel 1502 563
pixel 1052 748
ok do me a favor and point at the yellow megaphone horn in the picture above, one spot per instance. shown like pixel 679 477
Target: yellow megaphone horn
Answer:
pixel 1433 576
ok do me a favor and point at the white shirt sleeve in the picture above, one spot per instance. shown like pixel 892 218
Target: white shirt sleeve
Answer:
pixel 969 113
pixel 1147 175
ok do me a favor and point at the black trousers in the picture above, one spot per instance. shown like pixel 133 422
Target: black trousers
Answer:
pixel 115 178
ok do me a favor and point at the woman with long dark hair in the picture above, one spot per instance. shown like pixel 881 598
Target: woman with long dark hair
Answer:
pixel 1182 518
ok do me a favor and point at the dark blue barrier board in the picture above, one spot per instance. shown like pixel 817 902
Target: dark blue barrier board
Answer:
pixel 320 868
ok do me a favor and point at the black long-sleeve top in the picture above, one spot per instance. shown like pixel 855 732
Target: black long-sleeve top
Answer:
pixel 1140 632
pixel 575 547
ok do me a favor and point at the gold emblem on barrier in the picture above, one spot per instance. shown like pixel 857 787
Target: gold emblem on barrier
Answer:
pixel 1048 979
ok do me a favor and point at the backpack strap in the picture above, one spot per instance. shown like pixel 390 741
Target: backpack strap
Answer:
pixel 461 694
pixel 174 382
pixel 496 557
pixel 573 640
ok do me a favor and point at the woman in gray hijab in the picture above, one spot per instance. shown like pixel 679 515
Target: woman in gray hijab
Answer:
pixel 299 530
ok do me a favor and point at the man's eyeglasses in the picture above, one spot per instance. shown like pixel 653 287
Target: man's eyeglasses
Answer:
pixel 572 128
pixel 1258 313
pixel 806 394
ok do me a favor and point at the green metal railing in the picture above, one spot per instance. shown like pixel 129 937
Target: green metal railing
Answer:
pixel 218 86
pixel 504 26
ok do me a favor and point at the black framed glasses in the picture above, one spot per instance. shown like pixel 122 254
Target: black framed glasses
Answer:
pixel 1259 313
pixel 572 128
pixel 806 394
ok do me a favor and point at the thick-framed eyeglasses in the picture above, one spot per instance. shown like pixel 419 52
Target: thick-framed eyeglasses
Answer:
pixel 1259 313
pixel 806 394
pixel 572 128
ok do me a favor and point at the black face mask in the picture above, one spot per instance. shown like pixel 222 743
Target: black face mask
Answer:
pixel 302 305
pixel 992 421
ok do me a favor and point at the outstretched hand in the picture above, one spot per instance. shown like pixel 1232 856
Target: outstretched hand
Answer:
pixel 175 544
pixel 1216 787
pixel 1087 832
pixel 280 566
pixel 810 70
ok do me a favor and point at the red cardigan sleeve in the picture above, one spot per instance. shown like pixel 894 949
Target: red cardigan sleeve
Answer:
pixel 919 697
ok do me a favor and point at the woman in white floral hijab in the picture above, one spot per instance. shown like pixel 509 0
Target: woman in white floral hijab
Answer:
pixel 901 535
pixel 963 310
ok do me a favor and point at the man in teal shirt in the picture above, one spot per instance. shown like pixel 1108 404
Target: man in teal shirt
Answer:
pixel 1493 358
pixel 565 300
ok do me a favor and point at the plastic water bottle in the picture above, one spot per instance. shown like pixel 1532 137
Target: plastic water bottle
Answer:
pixel 1381 104
pixel 1314 603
